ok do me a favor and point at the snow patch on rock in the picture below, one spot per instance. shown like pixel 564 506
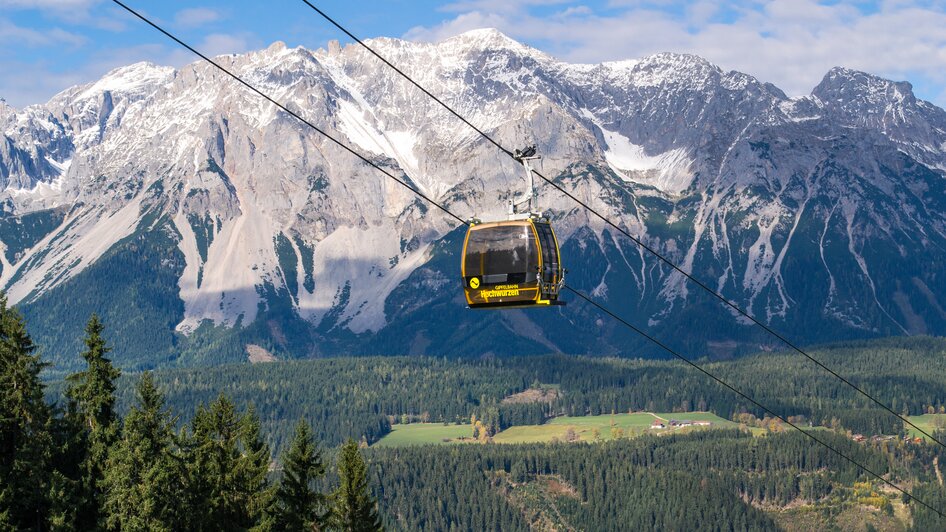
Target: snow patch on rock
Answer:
pixel 668 172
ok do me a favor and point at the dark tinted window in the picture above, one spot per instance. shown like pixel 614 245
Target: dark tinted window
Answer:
pixel 549 252
pixel 501 250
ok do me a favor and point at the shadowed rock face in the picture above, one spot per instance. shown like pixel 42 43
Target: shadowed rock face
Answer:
pixel 823 215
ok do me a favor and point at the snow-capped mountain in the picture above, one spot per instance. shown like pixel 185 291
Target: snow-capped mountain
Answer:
pixel 198 218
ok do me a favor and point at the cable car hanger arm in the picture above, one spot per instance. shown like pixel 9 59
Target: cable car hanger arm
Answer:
pixel 531 197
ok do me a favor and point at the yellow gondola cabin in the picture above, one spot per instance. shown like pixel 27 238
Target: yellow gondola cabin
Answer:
pixel 511 264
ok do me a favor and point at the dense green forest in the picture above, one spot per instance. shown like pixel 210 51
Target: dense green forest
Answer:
pixel 362 397
pixel 275 446
pixel 713 480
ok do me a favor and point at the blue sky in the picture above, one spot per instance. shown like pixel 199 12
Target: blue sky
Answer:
pixel 49 45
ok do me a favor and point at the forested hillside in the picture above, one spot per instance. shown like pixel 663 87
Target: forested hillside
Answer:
pixel 361 397
pixel 717 480
pixel 258 446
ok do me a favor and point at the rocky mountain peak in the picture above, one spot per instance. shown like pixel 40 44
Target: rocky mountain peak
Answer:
pixel 845 86
pixel 674 68
pixel 773 200
pixel 859 99
pixel 676 61
pixel 276 47
pixel 132 81
pixel 484 38
pixel 488 42
pixel 7 116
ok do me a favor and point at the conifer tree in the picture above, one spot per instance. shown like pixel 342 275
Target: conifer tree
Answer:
pixel 353 509
pixel 299 506
pixel 144 479
pixel 253 470
pixel 25 441
pixel 227 462
pixel 92 397
pixel 66 495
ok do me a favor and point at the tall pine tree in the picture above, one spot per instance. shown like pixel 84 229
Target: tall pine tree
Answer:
pixel 92 397
pixel 227 463
pixel 144 479
pixel 299 505
pixel 252 471
pixel 353 508
pixel 25 441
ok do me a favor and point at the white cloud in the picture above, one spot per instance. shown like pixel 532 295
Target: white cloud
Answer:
pixel 574 11
pixel 10 33
pixel 221 43
pixel 458 25
pixel 59 5
pixel 700 13
pixel 67 10
pixel 38 82
pixel 73 12
pixel 32 80
pixel 498 6
pixel 791 43
pixel 196 17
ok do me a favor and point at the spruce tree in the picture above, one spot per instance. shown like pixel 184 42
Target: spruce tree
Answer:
pixel 227 462
pixel 25 440
pixel 299 505
pixel 353 509
pixel 144 479
pixel 92 397
pixel 253 469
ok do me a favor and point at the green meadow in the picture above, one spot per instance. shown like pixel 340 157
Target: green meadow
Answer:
pixel 423 433
pixel 579 428
pixel 928 422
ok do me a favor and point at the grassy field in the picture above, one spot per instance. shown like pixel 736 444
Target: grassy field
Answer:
pixel 423 433
pixel 584 426
pixel 927 422
pixel 556 429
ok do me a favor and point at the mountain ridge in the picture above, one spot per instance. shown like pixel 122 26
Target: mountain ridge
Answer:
pixel 790 206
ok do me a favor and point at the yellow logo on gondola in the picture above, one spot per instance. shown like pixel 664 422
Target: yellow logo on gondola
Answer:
pixel 509 292
pixel 475 283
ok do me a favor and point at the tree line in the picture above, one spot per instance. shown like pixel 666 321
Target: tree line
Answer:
pixel 82 466
pixel 362 397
